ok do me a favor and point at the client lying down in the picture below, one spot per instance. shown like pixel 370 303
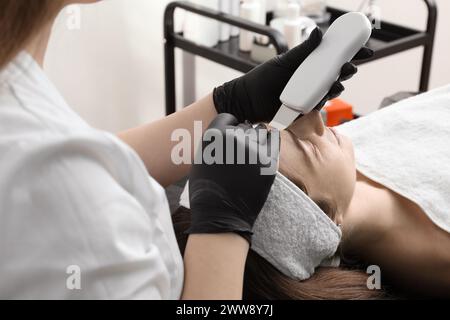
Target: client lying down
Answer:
pixel 373 192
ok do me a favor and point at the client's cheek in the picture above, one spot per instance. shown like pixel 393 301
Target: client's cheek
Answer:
pixel 349 188
pixel 290 155
pixel 348 147
pixel 284 167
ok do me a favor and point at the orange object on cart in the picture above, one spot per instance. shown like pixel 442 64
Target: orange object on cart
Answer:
pixel 337 112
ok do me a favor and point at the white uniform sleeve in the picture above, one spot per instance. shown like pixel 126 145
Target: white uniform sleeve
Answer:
pixel 66 212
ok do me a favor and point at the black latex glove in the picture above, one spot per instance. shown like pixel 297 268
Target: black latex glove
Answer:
pixel 256 96
pixel 229 197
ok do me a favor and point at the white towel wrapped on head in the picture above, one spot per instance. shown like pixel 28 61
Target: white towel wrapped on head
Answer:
pixel 292 232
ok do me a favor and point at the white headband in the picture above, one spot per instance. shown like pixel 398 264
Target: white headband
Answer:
pixel 292 232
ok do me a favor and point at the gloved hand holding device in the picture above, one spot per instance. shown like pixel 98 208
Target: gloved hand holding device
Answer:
pixel 227 196
pixel 256 96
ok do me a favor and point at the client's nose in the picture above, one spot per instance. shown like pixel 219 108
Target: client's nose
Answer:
pixel 316 121
pixel 309 124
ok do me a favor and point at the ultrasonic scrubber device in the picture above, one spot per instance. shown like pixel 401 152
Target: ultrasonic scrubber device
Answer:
pixel 316 75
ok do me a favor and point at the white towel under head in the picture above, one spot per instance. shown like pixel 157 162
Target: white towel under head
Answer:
pixel 292 232
pixel 406 148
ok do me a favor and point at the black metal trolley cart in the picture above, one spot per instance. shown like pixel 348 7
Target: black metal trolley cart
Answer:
pixel 388 40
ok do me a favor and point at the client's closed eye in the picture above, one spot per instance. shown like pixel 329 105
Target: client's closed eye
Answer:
pixel 328 208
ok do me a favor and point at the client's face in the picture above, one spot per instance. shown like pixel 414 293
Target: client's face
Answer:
pixel 320 160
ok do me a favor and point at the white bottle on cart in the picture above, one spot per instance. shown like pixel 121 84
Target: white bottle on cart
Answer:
pixel 293 27
pixel 271 5
pixel 235 10
pixel 201 30
pixel 250 10
pixel 225 28
pixel 264 40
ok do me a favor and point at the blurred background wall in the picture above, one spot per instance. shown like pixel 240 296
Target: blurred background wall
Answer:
pixel 111 70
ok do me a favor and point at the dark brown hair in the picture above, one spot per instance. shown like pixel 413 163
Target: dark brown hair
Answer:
pixel 20 20
pixel 262 281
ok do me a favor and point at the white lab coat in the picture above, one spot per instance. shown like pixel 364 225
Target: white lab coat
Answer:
pixel 79 216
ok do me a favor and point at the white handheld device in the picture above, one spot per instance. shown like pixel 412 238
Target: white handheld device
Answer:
pixel 316 75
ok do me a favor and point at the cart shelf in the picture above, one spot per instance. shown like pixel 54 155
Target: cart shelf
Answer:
pixel 390 39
